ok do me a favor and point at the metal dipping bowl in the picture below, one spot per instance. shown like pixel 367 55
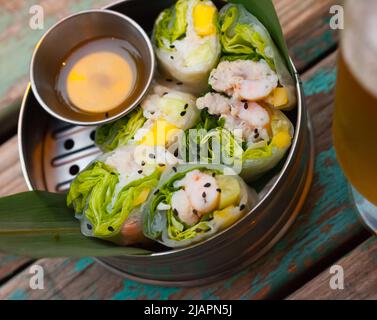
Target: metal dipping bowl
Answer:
pixel 52 152
pixel 61 39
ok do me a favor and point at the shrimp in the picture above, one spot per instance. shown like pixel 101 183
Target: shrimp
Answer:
pixel 181 204
pixel 255 115
pixel 244 79
pixel 131 232
pixel 198 197
pixel 216 103
pixel 248 116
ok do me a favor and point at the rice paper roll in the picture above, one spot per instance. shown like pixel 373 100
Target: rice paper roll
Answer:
pixel 264 156
pixel 253 135
pixel 108 196
pixel 244 37
pixel 194 202
pixel 158 121
pixel 187 43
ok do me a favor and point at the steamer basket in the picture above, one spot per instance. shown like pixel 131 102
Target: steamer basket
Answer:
pixel 53 152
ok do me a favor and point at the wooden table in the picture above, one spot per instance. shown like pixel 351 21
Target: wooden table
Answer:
pixel 327 231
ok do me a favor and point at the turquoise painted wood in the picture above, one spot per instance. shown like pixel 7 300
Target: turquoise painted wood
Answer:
pixel 326 226
pixel 360 278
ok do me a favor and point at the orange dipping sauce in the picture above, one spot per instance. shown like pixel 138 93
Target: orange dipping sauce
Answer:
pixel 98 76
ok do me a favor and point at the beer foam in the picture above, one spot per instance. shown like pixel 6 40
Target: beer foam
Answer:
pixel 359 42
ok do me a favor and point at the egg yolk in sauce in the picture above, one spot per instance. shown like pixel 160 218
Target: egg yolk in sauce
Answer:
pixel 98 76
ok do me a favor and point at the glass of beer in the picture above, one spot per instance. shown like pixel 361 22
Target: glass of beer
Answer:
pixel 355 118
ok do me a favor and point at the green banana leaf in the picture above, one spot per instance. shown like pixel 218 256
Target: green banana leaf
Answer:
pixel 265 11
pixel 39 224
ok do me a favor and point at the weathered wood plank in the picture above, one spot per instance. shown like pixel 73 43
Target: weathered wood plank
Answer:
pixel 325 228
pixel 360 277
pixel 11 182
pixel 11 177
pixel 9 265
pixel 17 40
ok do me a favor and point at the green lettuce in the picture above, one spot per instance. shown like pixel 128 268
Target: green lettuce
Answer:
pixel 93 194
pixel 164 225
pixel 112 135
pixel 171 24
pixel 154 223
pixel 242 35
pixel 256 160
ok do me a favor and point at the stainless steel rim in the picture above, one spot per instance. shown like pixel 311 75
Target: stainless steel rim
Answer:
pixel 284 223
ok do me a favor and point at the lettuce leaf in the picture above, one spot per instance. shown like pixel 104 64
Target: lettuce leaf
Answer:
pixel 93 194
pixel 171 24
pixel 243 35
pixel 163 224
pixel 112 135
pixel 96 184
pixel 154 225
pixel 257 159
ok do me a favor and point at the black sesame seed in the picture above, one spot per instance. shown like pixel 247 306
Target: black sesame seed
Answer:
pixel 142 163
pixel 175 211
pixel 174 169
pixel 156 192
pixel 256 136
pixel 246 106
pixel 207 185
pixel 113 173
pixel 186 106
pixel 172 46
pixel 165 93
pixel 256 130
pixel 161 164
pixel 218 190
pixel 89 226
pixel 176 153
pixel 140 172
pixel 171 57
pixel 152 156
pixel 242 207
pixel 214 174
pixel 204 194
pixel 183 113
pixel 111 229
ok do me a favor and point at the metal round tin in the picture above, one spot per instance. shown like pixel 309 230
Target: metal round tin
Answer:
pixel 52 153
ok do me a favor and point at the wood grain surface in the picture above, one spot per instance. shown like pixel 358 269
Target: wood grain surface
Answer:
pixel 326 229
pixel 360 277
